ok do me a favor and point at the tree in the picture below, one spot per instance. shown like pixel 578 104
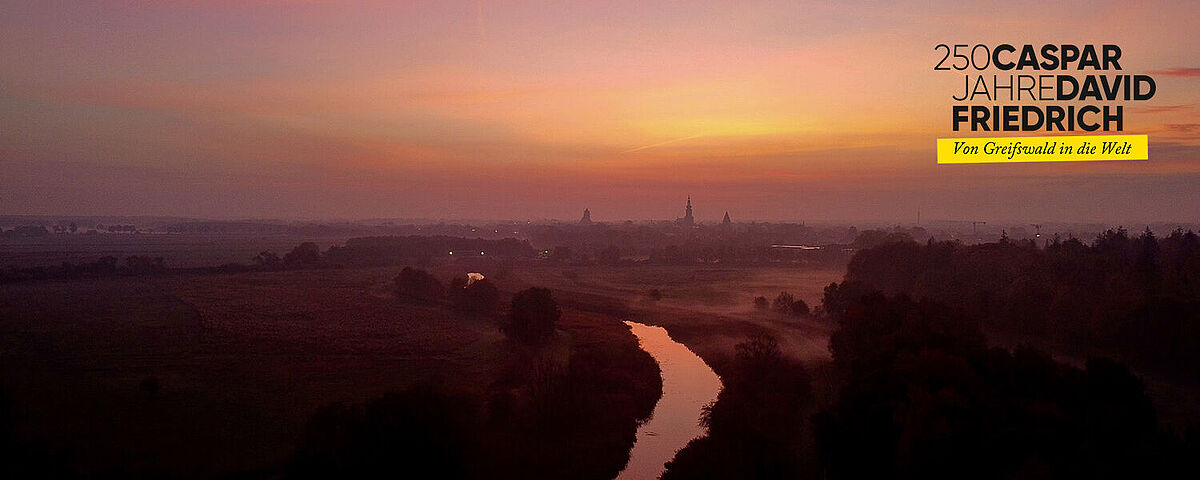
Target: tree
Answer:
pixel 799 308
pixel 926 398
pixel 783 303
pixel 533 316
pixel 761 303
pixel 479 297
pixel 758 422
pixel 838 297
pixel 268 260
pixel 417 286
pixel 306 253
pixel 139 265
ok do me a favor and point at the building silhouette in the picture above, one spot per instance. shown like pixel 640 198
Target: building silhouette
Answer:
pixel 687 219
pixel 587 217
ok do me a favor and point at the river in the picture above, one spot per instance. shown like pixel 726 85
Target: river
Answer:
pixel 688 385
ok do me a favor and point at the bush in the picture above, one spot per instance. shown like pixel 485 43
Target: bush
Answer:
pixel 799 308
pixel 480 297
pixel 306 253
pixel 761 303
pixel 783 303
pixel 533 316
pixel 417 286
pixel 759 419
pixel 138 265
pixel 926 398
pixel 268 260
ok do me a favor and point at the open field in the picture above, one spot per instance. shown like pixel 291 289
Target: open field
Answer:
pixel 708 308
pixel 177 250
pixel 242 360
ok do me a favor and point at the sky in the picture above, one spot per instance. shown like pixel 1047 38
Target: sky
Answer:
pixel 771 110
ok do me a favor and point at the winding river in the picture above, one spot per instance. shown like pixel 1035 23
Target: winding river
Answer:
pixel 688 385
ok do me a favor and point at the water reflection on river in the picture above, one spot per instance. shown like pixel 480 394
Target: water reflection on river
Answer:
pixel 688 385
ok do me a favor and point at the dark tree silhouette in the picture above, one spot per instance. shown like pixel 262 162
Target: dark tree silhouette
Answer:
pixel 417 286
pixel 757 427
pixel 1134 295
pixel 306 254
pixel 139 265
pixel 799 308
pixel 783 303
pixel 925 398
pixel 839 296
pixel 480 297
pixel 761 303
pixel 268 260
pixel 533 316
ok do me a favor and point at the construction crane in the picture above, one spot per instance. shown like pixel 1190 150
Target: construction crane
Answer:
pixel 975 224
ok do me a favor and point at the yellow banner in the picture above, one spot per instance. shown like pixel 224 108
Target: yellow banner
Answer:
pixel 1076 148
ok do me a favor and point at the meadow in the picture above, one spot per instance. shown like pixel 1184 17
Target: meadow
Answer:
pixel 212 374
pixel 217 373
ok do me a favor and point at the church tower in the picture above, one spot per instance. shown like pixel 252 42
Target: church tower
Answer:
pixel 687 215
pixel 587 217
pixel 726 221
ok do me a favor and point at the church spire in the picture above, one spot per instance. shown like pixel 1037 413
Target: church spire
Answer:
pixel 687 213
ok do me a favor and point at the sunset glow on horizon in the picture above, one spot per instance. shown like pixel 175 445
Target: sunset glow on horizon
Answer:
pixel 515 110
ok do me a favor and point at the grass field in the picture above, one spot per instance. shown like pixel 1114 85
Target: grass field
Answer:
pixel 177 250
pixel 709 309
pixel 242 360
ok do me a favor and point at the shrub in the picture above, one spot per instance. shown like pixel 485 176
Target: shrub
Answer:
pixel 799 308
pixel 783 303
pixel 761 303
pixel 268 260
pixel 533 316
pixel 417 286
pixel 480 297
pixel 306 253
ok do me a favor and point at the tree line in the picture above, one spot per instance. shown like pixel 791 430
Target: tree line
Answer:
pixel 548 418
pixel 1136 296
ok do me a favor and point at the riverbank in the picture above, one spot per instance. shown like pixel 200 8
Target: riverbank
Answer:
pixel 203 376
pixel 689 385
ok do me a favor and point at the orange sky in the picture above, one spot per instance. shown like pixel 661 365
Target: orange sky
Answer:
pixel 771 110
